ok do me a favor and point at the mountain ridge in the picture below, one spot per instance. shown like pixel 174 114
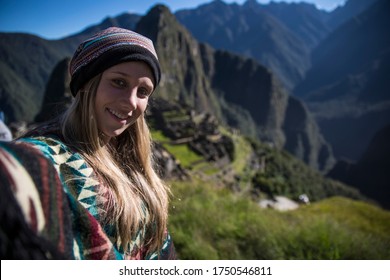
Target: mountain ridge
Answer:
pixel 347 86
pixel 252 32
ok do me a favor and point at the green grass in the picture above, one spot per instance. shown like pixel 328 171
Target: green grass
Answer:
pixel 242 151
pixel 205 167
pixel 207 223
pixel 158 136
pixel 185 155
pixel 175 116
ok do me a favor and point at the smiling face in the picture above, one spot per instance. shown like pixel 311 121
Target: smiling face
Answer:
pixel 122 96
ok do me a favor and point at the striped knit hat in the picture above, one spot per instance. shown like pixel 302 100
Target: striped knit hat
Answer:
pixel 107 48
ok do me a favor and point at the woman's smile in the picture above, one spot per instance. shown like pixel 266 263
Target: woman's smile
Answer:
pixel 121 118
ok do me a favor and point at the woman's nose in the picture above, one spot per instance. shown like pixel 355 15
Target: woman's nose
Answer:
pixel 132 98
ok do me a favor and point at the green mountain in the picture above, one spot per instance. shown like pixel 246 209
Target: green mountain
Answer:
pixel 237 90
pixel 23 75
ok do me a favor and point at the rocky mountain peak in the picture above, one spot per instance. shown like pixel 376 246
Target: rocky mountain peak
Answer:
pixel 183 79
pixel 250 4
pixel 157 17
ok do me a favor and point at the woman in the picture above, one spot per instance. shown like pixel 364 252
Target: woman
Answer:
pixel 101 148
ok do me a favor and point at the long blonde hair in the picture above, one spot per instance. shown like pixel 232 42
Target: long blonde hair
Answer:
pixel 125 164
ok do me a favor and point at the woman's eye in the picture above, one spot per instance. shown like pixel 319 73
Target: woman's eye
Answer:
pixel 119 83
pixel 143 92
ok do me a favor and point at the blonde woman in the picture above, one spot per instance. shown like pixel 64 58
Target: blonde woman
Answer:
pixel 101 149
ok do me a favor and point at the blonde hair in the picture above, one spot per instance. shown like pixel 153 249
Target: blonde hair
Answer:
pixel 125 164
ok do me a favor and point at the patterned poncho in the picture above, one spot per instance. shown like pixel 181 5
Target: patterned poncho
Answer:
pixel 66 207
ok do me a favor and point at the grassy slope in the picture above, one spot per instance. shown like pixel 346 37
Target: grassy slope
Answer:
pixel 207 223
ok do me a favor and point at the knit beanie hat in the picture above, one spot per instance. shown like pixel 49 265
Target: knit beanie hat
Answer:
pixel 107 48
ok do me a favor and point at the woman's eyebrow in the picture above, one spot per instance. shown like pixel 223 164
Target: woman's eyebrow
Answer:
pixel 124 74
pixel 120 73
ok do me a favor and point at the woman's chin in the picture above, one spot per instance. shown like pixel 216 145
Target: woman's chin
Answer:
pixel 116 133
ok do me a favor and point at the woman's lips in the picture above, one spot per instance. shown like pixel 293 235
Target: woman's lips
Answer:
pixel 118 116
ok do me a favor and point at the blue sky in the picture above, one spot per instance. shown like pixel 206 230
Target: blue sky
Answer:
pixel 52 19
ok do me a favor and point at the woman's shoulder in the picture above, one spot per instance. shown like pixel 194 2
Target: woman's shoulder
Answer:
pixel 49 141
pixel 48 144
pixel 46 137
pixel 53 148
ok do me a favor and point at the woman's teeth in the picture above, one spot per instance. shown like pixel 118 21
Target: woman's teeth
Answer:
pixel 119 115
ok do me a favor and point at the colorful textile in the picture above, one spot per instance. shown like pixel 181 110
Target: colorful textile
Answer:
pixel 35 219
pixel 80 232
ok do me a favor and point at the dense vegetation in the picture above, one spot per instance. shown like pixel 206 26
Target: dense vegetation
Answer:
pixel 283 174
